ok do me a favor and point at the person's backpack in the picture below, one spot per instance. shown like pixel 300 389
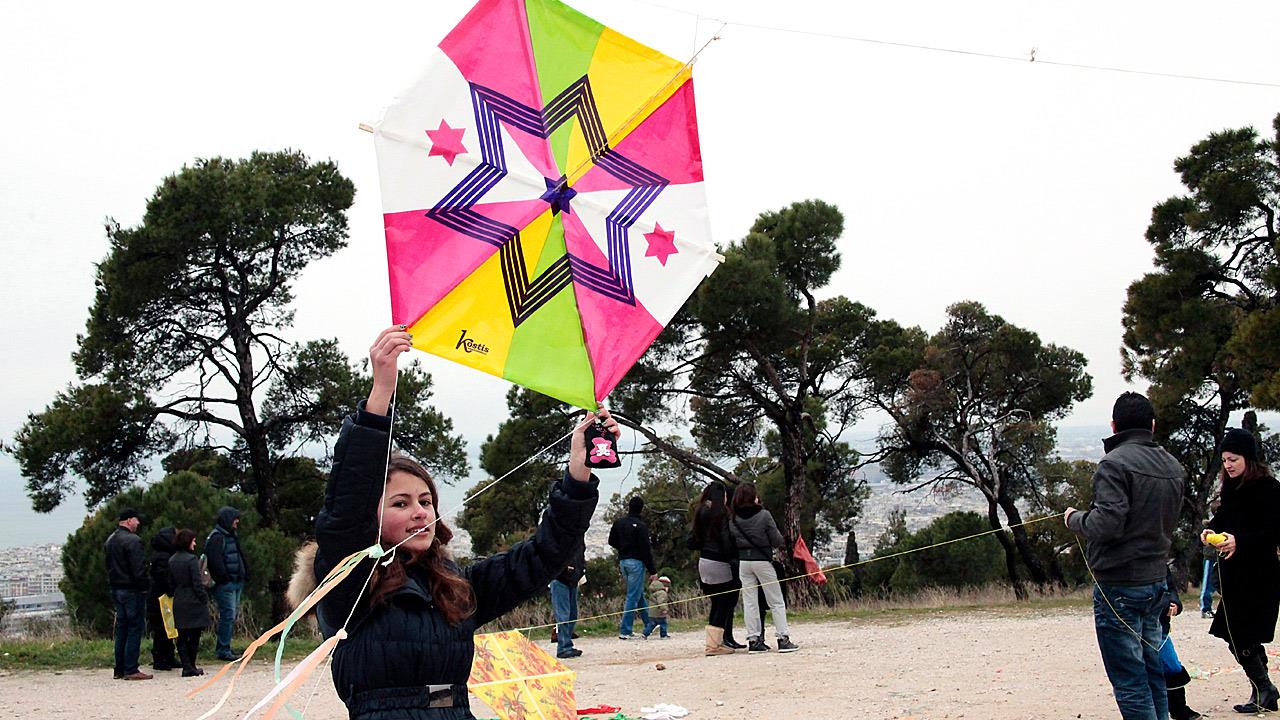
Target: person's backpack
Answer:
pixel 205 577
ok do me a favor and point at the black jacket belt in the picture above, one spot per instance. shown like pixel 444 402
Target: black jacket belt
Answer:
pixel 442 696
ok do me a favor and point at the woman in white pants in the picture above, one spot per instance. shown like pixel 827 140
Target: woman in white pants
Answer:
pixel 757 536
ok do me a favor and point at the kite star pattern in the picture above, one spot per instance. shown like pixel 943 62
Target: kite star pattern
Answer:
pixel 532 246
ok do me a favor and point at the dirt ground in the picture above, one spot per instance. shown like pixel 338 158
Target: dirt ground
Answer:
pixel 968 665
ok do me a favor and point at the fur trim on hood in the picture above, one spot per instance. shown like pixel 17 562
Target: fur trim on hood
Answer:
pixel 303 581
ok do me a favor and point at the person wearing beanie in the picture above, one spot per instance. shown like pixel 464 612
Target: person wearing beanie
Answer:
pixel 1128 529
pixel 1248 569
pixel 630 537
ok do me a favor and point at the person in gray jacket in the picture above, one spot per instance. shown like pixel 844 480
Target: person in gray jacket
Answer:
pixel 757 536
pixel 1137 491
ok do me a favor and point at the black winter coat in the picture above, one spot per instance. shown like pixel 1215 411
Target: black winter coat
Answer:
pixel 1250 578
pixel 630 537
pixel 161 549
pixel 711 537
pixel 126 561
pixel 400 646
pixel 190 599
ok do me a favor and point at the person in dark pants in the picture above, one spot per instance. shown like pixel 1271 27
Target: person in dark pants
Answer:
pixel 1137 491
pixel 127 575
pixel 411 641
pixel 564 603
pixel 190 600
pixel 630 537
pixel 230 572
pixel 162 650
pixel 1176 677
pixel 717 566
pixel 1248 569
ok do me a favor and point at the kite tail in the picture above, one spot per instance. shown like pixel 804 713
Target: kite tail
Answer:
pixel 337 575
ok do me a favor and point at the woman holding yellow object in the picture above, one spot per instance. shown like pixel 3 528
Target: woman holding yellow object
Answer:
pixel 1246 533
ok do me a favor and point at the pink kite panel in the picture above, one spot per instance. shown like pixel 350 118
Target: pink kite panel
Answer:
pixel 666 143
pixel 426 260
pixel 491 48
pixel 616 334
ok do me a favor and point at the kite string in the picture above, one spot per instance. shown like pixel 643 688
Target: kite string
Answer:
pixel 819 571
pixel 955 51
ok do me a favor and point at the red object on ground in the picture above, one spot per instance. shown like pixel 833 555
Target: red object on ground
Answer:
pixel 801 553
pixel 599 710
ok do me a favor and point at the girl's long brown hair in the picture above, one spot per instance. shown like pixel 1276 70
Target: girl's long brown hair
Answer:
pixel 450 592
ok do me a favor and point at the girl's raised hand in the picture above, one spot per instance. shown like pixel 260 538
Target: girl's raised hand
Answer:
pixel 383 356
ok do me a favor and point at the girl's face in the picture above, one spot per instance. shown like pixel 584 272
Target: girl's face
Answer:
pixel 407 508
pixel 1233 464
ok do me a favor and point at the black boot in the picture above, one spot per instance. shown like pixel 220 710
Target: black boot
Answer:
pixel 1264 697
pixel 1177 684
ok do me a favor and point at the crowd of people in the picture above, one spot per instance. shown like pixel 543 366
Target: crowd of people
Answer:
pixel 409 645
pixel 172 577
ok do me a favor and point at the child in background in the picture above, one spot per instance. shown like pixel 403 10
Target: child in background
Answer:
pixel 659 595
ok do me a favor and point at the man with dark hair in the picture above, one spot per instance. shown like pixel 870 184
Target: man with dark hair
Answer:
pixel 230 572
pixel 127 575
pixel 630 537
pixel 1137 490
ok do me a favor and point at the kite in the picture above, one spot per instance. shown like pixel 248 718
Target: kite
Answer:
pixel 518 680
pixel 543 198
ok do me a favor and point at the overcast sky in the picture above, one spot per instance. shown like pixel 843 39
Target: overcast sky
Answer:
pixel 1025 186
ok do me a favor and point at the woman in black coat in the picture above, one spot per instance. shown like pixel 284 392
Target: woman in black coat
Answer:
pixel 410 643
pixel 1249 571
pixel 190 600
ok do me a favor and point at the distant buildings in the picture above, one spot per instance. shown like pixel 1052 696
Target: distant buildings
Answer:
pixel 30 570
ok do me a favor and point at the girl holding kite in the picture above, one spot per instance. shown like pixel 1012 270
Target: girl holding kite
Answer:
pixel 410 643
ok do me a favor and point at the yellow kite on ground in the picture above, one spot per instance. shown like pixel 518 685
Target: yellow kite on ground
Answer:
pixel 519 681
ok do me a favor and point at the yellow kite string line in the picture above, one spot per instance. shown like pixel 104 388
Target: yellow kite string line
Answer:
pixel 832 568
pixel 972 53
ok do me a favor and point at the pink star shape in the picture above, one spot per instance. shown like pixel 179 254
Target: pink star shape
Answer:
pixel 446 142
pixel 661 244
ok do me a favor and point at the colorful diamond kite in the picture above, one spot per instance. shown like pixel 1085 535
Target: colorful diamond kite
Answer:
pixel 543 198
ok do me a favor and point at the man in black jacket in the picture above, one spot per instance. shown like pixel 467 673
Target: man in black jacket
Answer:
pixel 564 602
pixel 630 537
pixel 127 575
pixel 230 571
pixel 1137 490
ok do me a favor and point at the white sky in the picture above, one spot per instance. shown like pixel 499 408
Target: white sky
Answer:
pixel 1025 186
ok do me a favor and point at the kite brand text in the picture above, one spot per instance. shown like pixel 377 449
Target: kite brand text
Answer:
pixel 470 346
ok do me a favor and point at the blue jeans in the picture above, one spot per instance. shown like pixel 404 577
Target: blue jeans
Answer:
pixel 131 613
pixel 660 623
pixel 1208 585
pixel 564 603
pixel 227 597
pixel 633 571
pixel 1129 638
